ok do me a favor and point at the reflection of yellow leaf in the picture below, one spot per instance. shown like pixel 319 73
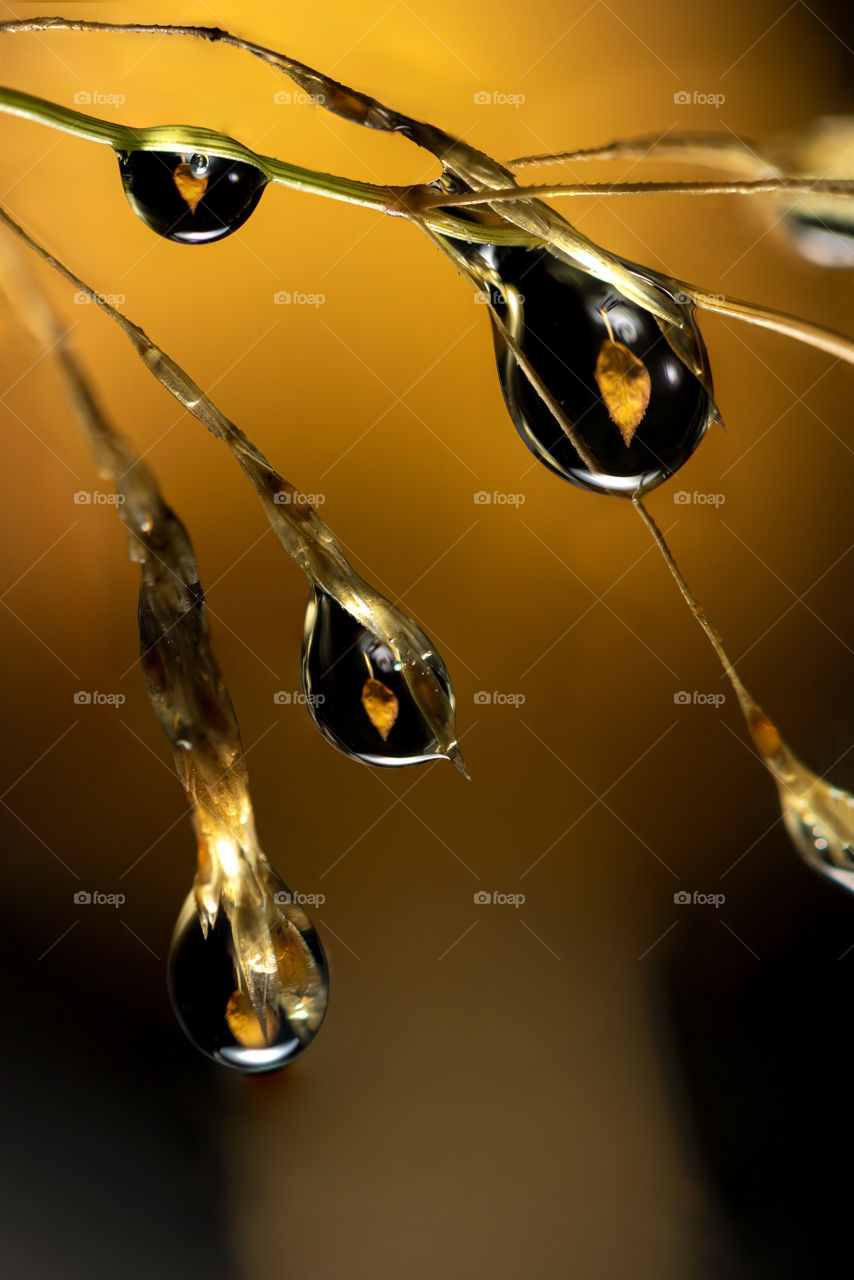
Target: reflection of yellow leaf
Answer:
pixel 244 1025
pixel 190 188
pixel 381 705
pixel 624 383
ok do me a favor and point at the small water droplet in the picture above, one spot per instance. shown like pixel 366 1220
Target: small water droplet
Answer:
pixel 557 314
pixel 252 993
pixel 823 235
pixel 339 656
pixel 218 194
pixel 821 227
pixel 818 817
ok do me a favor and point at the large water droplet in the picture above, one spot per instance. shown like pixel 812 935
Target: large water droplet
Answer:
pixel 251 993
pixel 190 197
pixel 357 692
pixel 557 314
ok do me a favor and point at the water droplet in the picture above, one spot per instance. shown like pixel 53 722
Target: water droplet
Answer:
pixel 557 314
pixel 823 234
pixel 252 992
pixel 821 227
pixel 189 197
pixel 199 165
pixel 819 817
pixel 339 660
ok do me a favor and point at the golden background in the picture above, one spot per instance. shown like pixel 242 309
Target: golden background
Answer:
pixel 599 1082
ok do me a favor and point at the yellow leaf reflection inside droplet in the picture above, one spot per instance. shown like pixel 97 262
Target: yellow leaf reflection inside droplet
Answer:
pixel 624 384
pixel 381 705
pixel 190 188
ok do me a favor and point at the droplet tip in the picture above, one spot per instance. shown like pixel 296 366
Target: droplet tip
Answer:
pixel 457 759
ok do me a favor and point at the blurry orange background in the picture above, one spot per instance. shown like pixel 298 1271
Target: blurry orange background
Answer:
pixel 497 1090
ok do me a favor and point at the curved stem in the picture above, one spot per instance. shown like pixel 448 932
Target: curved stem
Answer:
pixel 748 705
pixel 186 137
pixel 473 167
pixel 28 107
pixel 515 348
pixel 304 535
pixel 818 817
pixel 538 221
pixel 712 150
pixel 389 200
pixel 762 186
pixel 813 335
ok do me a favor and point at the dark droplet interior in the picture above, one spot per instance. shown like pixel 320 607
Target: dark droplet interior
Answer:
pixel 203 984
pixel 339 655
pixel 219 194
pixel 555 313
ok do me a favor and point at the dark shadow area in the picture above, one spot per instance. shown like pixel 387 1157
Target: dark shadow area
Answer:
pixel 762 1047
pixel 838 21
pixel 112 1162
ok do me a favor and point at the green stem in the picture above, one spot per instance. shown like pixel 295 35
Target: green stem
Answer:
pixel 121 137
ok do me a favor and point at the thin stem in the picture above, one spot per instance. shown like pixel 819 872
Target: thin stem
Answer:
pixel 749 707
pixel 819 817
pixel 185 683
pixel 473 167
pixel 813 335
pixel 515 348
pixel 712 150
pixel 539 221
pixel 764 186
pixel 307 539
pixel 389 200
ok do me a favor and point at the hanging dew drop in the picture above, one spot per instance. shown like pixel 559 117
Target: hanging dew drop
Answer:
pixel 189 197
pixel 250 991
pixel 358 694
pixel 819 817
pixel 570 327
